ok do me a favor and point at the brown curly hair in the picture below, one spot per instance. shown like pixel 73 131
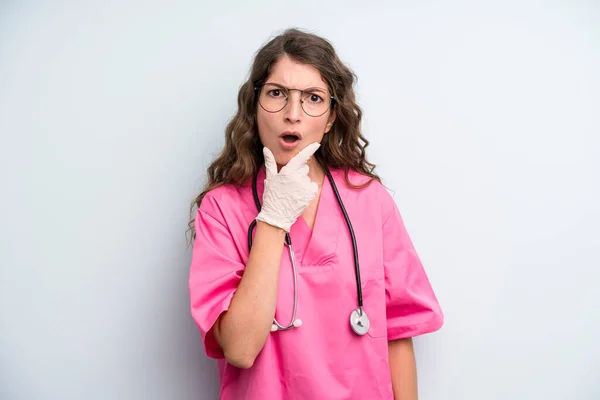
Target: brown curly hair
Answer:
pixel 343 147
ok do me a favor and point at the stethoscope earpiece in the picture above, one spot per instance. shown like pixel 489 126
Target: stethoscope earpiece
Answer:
pixel 297 323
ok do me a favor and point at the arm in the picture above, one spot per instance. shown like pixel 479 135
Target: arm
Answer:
pixel 403 369
pixel 243 330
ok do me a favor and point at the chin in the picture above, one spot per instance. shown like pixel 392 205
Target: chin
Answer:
pixel 281 161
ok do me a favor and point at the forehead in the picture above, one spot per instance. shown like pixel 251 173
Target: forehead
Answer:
pixel 292 74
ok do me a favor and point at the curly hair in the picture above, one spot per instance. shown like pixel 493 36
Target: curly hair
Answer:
pixel 343 147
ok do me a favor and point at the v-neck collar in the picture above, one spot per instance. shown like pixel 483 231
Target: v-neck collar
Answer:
pixel 317 246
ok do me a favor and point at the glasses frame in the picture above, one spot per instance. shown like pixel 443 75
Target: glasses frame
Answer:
pixel 287 98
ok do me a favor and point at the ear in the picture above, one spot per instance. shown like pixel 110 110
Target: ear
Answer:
pixel 330 121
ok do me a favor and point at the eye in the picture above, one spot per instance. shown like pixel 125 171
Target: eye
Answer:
pixel 315 98
pixel 275 93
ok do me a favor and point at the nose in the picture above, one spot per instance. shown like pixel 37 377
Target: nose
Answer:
pixel 293 108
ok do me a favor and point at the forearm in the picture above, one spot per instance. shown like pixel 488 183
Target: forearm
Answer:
pixel 403 369
pixel 243 330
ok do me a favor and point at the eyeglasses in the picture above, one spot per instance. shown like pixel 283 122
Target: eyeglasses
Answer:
pixel 273 98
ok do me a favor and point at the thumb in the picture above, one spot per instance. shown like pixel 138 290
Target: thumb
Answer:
pixel 270 165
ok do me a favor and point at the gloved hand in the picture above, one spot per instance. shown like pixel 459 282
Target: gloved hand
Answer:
pixel 288 192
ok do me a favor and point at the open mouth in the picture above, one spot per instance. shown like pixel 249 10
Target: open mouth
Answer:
pixel 290 138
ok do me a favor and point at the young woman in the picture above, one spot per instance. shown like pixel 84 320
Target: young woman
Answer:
pixel 304 282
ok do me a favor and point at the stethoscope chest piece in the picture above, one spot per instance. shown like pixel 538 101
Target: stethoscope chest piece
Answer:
pixel 359 321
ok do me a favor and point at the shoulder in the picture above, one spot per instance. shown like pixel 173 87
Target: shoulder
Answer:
pixel 366 188
pixel 360 183
pixel 219 200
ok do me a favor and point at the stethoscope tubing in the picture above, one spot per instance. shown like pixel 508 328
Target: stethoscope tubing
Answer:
pixel 288 242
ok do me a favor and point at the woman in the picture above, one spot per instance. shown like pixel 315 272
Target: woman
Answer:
pixel 298 322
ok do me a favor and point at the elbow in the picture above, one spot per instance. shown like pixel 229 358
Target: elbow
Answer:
pixel 239 355
pixel 240 359
pixel 240 351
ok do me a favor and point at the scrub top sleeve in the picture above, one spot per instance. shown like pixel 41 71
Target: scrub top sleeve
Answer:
pixel 215 273
pixel 411 305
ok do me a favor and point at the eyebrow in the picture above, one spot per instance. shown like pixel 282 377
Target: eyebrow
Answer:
pixel 308 88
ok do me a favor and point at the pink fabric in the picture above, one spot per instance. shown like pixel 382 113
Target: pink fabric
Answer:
pixel 324 358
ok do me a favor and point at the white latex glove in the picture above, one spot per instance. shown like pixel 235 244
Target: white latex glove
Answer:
pixel 288 192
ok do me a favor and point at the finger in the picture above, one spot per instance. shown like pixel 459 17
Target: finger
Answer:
pixel 314 189
pixel 270 164
pixel 303 170
pixel 302 157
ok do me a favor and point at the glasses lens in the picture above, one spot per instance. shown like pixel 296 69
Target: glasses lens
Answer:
pixel 272 98
pixel 315 102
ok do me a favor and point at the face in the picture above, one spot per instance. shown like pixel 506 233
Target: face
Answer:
pixel 290 130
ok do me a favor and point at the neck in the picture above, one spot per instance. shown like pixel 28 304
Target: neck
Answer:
pixel 315 172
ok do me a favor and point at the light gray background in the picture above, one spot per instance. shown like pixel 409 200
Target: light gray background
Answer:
pixel 484 120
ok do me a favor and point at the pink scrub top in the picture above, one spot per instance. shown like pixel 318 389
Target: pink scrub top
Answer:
pixel 323 358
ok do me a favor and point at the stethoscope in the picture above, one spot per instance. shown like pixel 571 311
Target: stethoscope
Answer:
pixel 359 321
